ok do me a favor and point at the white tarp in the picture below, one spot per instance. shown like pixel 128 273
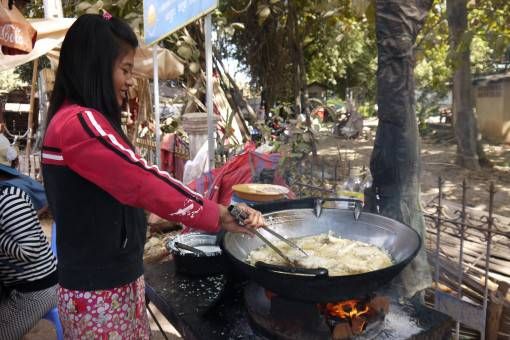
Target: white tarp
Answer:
pixel 169 65
pixel 51 33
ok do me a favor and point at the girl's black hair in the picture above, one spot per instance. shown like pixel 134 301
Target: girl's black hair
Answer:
pixel 85 70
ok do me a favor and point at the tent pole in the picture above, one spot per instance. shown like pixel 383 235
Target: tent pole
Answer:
pixel 155 63
pixel 209 89
pixel 53 9
pixel 31 113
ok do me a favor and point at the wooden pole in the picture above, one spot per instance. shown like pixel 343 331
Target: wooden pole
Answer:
pixel 211 127
pixel 495 310
pixel 31 113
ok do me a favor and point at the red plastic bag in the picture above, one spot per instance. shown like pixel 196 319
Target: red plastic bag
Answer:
pixel 217 185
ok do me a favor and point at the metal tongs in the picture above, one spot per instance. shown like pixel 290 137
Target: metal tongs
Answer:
pixel 240 216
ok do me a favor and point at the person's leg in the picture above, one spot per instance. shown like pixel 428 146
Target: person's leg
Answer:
pixel 21 311
pixel 117 313
pixel 143 328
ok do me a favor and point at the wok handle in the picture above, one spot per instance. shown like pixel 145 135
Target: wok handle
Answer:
pixel 358 205
pixel 339 199
pixel 317 272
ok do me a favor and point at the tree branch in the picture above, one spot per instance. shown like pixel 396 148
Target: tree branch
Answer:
pixel 241 10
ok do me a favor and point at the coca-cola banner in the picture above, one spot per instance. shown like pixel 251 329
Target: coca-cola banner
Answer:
pixel 17 36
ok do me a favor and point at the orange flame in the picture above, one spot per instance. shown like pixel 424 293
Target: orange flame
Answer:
pixel 350 310
pixel 347 309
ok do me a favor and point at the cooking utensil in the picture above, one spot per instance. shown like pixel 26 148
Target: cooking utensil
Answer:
pixel 197 254
pixel 190 248
pixel 275 248
pixel 289 242
pixel 297 219
pixel 240 216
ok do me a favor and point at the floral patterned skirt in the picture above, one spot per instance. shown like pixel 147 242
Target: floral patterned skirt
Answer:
pixel 111 314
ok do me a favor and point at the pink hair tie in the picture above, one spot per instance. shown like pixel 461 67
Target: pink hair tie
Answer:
pixel 106 15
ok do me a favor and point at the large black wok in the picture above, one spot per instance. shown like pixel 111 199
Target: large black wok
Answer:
pixel 297 219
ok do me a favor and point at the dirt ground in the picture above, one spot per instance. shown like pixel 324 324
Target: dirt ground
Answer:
pixel 438 150
pixel 438 159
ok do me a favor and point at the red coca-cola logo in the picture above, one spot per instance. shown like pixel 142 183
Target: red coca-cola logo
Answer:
pixel 11 34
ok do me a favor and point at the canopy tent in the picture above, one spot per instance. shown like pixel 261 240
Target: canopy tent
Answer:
pixel 169 66
pixel 51 33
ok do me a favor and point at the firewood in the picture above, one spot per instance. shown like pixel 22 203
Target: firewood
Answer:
pixel 342 331
pixel 358 324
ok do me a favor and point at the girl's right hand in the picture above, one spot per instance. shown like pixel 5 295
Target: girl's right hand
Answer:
pixel 229 223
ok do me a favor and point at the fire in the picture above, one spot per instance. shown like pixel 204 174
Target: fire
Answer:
pixel 355 312
pixel 349 309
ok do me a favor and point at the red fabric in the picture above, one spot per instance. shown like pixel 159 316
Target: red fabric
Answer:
pixel 83 140
pixel 171 160
pixel 217 185
pixel 250 146
pixel 117 313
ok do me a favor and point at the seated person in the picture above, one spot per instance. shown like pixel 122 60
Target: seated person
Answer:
pixel 27 266
pixel 13 178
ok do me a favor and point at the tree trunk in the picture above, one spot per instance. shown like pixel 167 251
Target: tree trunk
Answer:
pixel 395 160
pixel 300 90
pixel 304 81
pixel 294 48
pixel 464 121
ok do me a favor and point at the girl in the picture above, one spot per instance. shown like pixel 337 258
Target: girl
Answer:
pixel 28 269
pixel 97 187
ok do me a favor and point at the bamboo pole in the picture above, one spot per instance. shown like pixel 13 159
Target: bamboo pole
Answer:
pixel 31 113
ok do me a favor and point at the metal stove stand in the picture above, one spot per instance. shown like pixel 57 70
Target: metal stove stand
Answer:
pixel 214 308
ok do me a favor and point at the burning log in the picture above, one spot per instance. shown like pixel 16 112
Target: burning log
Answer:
pixel 351 317
pixel 342 331
pixel 358 324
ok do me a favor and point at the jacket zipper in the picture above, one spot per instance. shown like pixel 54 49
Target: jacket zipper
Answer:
pixel 124 236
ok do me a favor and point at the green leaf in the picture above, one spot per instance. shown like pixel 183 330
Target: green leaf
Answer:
pixel 237 25
pixel 194 67
pixel 188 40
pixel 185 52
pixel 263 14
pixel 83 6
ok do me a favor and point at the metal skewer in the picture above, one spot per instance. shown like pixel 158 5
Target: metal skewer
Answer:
pixel 240 216
pixel 272 246
pixel 289 242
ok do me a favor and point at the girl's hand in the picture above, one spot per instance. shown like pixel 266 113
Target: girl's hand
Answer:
pixel 253 221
